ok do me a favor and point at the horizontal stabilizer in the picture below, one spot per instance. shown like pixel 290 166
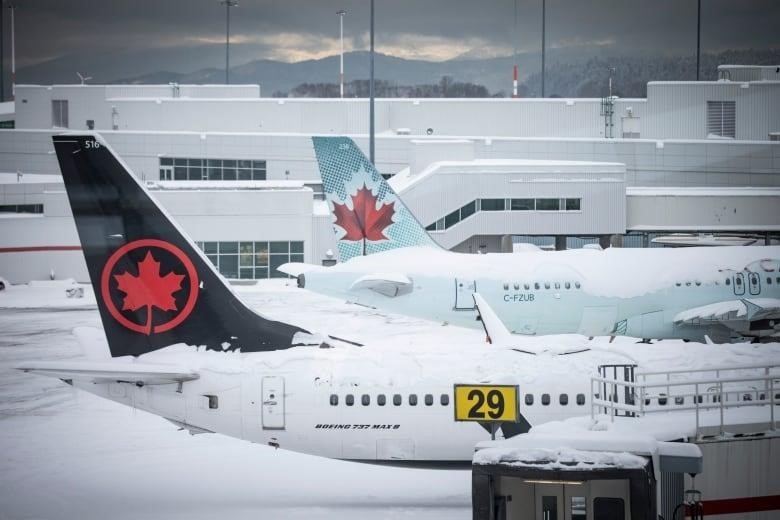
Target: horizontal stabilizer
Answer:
pixel 388 284
pixel 111 372
pixel 297 268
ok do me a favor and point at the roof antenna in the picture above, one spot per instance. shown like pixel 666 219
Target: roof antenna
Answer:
pixel 83 79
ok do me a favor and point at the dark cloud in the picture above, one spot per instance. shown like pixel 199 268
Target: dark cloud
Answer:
pixel 297 29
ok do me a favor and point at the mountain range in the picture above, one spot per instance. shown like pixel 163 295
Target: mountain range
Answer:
pixel 570 72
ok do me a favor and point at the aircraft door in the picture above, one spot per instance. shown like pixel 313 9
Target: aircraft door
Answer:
pixel 464 301
pixel 739 284
pixel 754 283
pixel 272 403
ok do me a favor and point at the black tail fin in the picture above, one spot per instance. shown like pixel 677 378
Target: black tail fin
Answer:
pixel 154 288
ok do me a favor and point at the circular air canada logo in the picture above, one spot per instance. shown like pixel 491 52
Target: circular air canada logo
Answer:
pixel 149 286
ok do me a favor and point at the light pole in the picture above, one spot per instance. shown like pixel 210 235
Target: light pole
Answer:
pixel 341 14
pixel 228 4
pixel 544 43
pixel 12 7
pixel 371 90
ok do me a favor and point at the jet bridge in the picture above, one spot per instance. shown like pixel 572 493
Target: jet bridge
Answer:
pixel 584 476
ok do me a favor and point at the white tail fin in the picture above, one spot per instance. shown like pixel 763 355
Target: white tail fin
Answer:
pixel 368 215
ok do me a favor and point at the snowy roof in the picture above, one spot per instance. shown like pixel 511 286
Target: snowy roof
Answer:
pixel 701 192
pixel 227 185
pixel 29 178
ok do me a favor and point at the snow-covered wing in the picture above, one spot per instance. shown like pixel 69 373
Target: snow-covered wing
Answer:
pixel 111 372
pixel 388 284
pixel 746 309
pixel 297 268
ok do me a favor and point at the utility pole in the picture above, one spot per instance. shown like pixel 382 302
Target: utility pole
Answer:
pixel 371 91
pixel 698 39
pixel 228 4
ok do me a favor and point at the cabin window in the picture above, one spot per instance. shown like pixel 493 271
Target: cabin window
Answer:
pixel 529 399
pixel 334 400
pixel 777 280
pixel 365 400
pixel 580 399
pixel 563 399
pixel 679 400
pixel 577 285
pixel 769 280
pixel 412 399
pixel 536 285
pixel 609 508
pixel 546 285
pixel 545 399
pixel 697 282
pixel 517 286
pixel 444 400
pixel 526 286
pixel 728 281
pixel 397 399
pixel 688 284
pixel 428 399
pixel 350 399
pixel 567 285
pixel 662 400
pixel 381 400
pixel 557 285
pixel 506 286
pixel 739 281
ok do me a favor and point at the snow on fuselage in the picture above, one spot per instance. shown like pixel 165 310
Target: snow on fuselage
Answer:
pixel 286 398
pixel 633 292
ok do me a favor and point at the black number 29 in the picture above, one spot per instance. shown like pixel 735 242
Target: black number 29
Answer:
pixel 495 403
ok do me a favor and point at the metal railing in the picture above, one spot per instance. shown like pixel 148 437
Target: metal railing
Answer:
pixel 717 388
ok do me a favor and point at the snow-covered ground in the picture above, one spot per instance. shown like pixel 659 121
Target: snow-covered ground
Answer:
pixel 68 454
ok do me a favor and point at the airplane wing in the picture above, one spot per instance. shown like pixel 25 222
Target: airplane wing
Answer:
pixel 388 284
pixel 110 372
pixel 736 314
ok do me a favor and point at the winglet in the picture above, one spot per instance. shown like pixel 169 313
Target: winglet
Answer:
pixel 496 331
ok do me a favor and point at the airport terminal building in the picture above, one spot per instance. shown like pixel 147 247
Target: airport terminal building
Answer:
pixel 238 171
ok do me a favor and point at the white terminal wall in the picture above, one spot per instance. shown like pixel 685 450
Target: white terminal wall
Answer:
pixel 648 162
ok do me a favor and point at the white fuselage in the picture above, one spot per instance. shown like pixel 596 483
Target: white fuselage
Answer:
pixel 633 292
pixel 286 398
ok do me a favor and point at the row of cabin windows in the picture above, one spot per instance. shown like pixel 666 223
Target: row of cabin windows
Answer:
pixel 397 399
pixel 465 211
pixel 754 279
pixel 563 399
pixel 547 285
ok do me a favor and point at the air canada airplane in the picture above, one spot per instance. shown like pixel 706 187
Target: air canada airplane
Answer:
pixel 390 262
pixel 185 347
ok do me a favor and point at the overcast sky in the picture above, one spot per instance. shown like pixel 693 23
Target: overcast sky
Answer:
pixel 292 30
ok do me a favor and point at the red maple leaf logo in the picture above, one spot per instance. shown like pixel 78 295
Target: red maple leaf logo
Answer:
pixel 149 289
pixel 364 220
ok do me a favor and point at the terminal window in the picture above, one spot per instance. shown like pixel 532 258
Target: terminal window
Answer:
pixel 252 260
pixel 477 205
pixel 721 119
pixel 191 169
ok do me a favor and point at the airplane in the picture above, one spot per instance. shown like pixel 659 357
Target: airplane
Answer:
pixel 185 347
pixel 390 262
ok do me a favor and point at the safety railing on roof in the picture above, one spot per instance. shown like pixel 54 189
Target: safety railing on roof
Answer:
pixel 699 391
